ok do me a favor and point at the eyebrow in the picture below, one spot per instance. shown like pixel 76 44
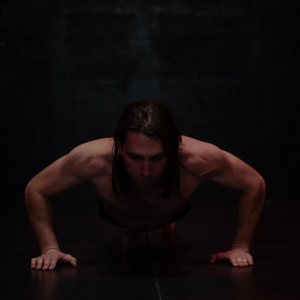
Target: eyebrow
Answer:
pixel 158 154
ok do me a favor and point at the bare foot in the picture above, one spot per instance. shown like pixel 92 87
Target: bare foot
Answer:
pixel 168 228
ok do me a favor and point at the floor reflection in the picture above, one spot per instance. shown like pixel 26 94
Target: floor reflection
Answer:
pixel 46 283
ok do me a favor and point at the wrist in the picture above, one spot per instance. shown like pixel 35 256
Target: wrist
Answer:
pixel 50 248
pixel 241 247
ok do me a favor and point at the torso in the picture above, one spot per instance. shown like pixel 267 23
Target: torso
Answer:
pixel 150 211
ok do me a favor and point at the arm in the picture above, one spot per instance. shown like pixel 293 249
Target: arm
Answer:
pixel 207 162
pixel 54 179
pixel 235 174
pixel 64 173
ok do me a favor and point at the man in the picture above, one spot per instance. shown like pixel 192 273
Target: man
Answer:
pixel 145 176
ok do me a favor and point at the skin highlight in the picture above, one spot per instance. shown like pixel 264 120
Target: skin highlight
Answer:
pixel 145 163
pixel 144 159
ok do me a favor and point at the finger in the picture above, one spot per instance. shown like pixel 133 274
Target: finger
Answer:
pixel 245 262
pixel 53 264
pixel 69 259
pixel 250 261
pixel 217 256
pixel 241 262
pixel 213 258
pixel 234 262
pixel 39 263
pixel 46 264
pixel 33 263
pixel 220 255
pixel 73 262
pixel 65 258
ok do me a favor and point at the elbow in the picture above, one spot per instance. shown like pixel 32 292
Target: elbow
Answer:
pixel 257 187
pixel 262 184
pixel 260 188
pixel 32 196
pixel 30 190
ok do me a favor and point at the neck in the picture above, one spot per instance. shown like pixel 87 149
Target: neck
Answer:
pixel 156 189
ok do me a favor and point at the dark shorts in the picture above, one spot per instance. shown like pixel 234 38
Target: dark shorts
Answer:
pixel 104 215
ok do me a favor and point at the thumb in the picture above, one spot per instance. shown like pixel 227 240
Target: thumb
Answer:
pixel 215 257
pixel 73 262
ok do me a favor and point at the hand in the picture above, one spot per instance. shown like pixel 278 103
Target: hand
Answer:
pixel 237 256
pixel 49 259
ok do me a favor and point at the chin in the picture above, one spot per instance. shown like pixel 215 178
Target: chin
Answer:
pixel 145 185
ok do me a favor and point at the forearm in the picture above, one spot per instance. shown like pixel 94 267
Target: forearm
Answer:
pixel 40 214
pixel 250 209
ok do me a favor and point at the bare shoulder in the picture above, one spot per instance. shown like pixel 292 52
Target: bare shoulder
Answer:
pixel 92 158
pixel 199 158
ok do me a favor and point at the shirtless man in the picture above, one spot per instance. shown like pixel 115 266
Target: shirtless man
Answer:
pixel 145 175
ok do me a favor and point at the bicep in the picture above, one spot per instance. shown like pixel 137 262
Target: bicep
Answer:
pixel 235 173
pixel 56 178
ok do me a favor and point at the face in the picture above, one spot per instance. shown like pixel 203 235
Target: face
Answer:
pixel 144 159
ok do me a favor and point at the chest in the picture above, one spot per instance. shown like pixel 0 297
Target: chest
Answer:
pixel 147 211
pixel 144 213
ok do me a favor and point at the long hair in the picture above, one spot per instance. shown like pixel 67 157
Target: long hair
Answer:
pixel 154 120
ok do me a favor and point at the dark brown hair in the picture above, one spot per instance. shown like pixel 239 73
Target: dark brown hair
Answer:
pixel 152 119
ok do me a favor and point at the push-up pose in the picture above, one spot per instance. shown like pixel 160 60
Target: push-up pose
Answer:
pixel 145 175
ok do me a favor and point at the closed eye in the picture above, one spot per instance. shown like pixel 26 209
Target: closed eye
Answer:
pixel 157 158
pixel 135 157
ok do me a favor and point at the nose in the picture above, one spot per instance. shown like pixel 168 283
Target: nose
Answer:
pixel 146 169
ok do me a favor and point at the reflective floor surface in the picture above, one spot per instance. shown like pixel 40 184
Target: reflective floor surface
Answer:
pixel 164 266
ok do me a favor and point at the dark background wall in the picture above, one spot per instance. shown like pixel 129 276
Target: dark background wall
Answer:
pixel 227 70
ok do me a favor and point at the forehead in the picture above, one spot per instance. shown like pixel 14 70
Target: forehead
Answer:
pixel 143 145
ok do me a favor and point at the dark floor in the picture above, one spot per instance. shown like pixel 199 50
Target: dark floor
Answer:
pixel 161 266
